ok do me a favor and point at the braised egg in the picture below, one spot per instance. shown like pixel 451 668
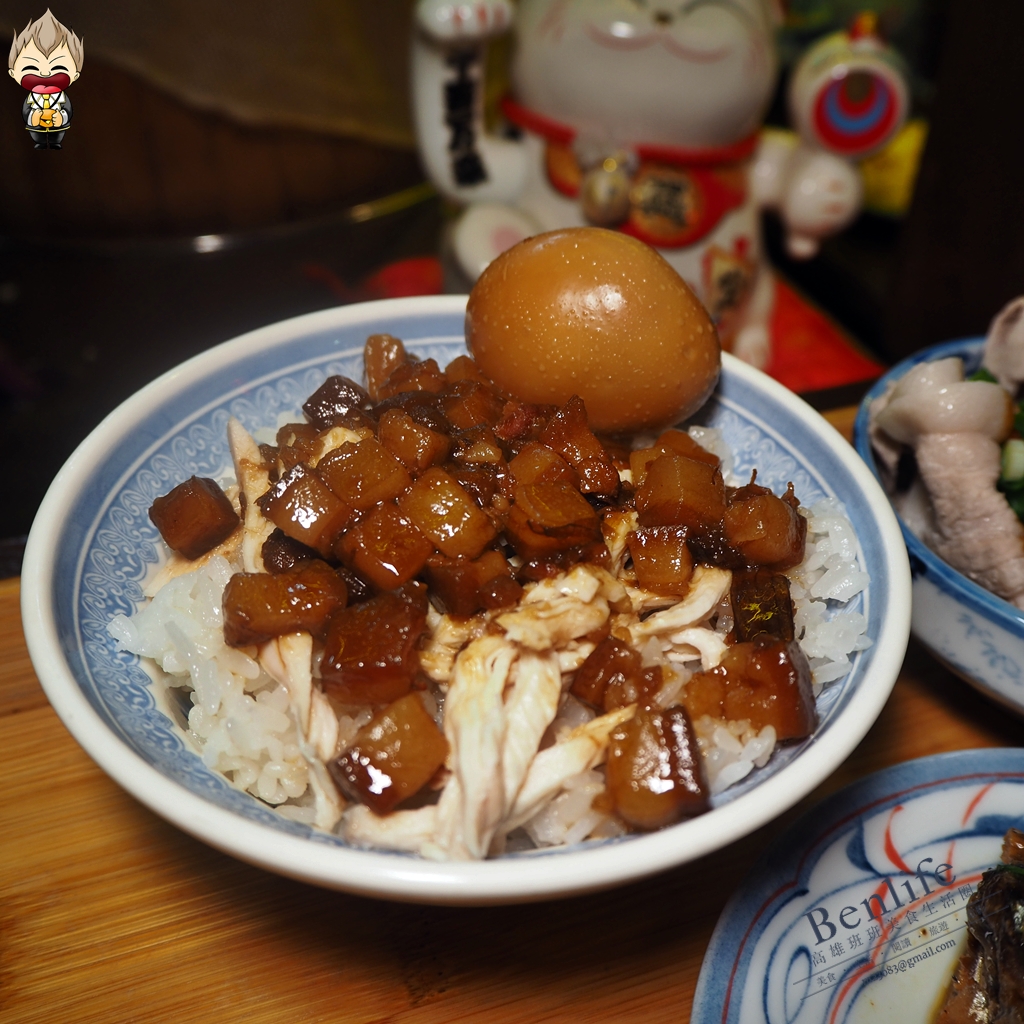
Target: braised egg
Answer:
pixel 598 314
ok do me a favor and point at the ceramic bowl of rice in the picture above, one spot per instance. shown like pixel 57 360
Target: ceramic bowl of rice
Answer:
pixel 201 735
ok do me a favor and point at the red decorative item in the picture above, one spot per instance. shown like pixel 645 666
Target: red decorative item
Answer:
pixel 809 351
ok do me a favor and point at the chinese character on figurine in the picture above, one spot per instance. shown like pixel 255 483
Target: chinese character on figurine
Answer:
pixel 45 59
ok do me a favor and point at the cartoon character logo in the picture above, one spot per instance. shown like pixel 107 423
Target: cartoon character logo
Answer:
pixel 45 59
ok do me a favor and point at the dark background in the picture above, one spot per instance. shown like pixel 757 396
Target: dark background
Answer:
pixel 102 286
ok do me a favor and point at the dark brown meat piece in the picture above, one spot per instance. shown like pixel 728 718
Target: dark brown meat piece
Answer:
pixel 761 605
pixel 335 401
pixel 259 606
pixel 393 757
pixel 655 773
pixel 370 653
pixel 282 553
pixel 988 986
pixel 194 517
pixel 569 434
pixel 767 682
pixel 765 529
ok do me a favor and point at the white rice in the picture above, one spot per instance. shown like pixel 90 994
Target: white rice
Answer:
pixel 240 720
pixel 241 723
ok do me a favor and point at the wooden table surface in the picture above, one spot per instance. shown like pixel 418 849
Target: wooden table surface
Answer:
pixel 108 914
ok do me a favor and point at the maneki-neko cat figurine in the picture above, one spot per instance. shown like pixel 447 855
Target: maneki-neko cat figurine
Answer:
pixel 646 116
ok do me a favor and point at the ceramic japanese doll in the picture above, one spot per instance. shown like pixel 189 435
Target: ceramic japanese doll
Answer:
pixel 646 116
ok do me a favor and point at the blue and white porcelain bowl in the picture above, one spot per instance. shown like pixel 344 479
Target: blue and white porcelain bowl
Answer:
pixel 92 546
pixel 858 912
pixel 977 635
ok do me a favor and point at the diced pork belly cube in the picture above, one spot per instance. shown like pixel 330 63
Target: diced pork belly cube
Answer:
pixel 765 529
pixel 282 553
pixel 302 506
pixel 671 442
pixel 761 605
pixel 364 473
pixel 194 517
pixel 559 510
pixel 335 401
pixel 445 512
pixel 569 434
pixel 654 770
pixel 370 652
pixel 385 547
pixel 679 491
pixel 392 757
pixel 661 558
pixel 382 355
pixel 259 606
pixel 537 463
pixel 764 683
pixel 464 368
pixel 416 446
pixel 465 586
pixel 470 404
pixel 410 376
pixel 612 661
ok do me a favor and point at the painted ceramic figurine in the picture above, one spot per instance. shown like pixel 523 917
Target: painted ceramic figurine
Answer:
pixel 645 115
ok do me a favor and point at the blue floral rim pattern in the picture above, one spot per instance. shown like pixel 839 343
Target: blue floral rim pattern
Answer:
pixel 782 949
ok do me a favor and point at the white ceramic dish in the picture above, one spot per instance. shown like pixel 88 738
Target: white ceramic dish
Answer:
pixel 92 544
pixel 796 942
pixel 977 635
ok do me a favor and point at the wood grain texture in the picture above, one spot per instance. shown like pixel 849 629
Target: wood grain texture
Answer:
pixel 107 913
pixel 137 162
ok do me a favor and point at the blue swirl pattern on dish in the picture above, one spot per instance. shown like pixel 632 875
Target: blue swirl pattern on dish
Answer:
pixel 924 830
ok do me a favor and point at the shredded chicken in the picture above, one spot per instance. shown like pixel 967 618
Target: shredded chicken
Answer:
pixel 254 481
pixel 473 802
pixel 410 831
pixel 616 528
pixel 585 747
pixel 288 660
pixel 707 587
pixel 689 644
pixel 447 637
pixel 562 609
